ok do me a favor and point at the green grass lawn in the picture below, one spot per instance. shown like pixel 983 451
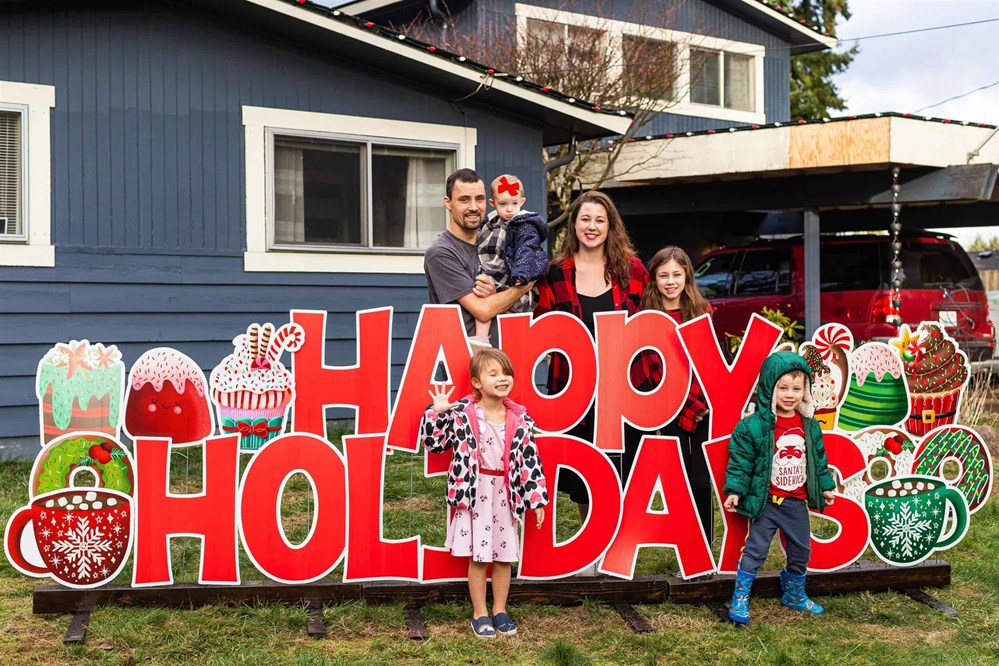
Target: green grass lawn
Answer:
pixel 865 628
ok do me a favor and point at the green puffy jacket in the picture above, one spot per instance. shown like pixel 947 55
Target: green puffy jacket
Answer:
pixel 751 447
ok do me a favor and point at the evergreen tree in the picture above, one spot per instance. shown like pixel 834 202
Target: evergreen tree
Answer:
pixel 813 93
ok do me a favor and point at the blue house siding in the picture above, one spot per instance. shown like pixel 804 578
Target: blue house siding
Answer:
pixel 148 185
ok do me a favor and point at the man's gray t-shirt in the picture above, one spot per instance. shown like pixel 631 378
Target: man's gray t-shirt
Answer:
pixel 451 265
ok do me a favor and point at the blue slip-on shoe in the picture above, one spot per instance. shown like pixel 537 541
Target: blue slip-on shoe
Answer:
pixel 794 596
pixel 504 624
pixel 483 627
pixel 738 608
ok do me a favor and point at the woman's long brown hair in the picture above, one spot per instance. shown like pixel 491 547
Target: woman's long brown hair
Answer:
pixel 618 249
pixel 692 302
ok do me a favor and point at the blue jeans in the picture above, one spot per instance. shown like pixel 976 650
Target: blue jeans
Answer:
pixel 791 518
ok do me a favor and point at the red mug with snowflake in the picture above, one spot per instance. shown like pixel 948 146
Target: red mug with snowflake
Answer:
pixel 79 536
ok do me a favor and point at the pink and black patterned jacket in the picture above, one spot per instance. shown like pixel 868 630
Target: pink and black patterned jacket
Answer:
pixel 457 430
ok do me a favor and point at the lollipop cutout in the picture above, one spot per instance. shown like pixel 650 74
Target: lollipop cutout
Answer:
pixel 830 336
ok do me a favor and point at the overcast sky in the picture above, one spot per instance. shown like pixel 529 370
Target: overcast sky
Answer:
pixel 908 72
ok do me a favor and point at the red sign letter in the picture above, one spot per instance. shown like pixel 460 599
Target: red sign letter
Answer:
pixel 525 341
pixel 727 387
pixel 369 557
pixel 618 342
pixel 542 557
pixel 260 508
pixel 439 336
pixel 363 386
pixel 210 514
pixel 658 466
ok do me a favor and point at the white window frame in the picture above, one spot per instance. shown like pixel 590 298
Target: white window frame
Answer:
pixel 684 42
pixel 33 247
pixel 261 124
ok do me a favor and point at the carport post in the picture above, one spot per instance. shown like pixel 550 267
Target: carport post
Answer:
pixel 812 316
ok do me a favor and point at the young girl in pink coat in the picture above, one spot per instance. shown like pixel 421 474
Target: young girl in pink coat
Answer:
pixel 495 474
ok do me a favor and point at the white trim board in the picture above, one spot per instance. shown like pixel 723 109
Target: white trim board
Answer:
pixel 36 102
pixel 258 120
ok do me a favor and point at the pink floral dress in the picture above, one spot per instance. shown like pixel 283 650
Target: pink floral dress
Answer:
pixel 487 532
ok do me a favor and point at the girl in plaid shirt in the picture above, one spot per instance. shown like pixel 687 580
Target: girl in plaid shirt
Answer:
pixel 674 291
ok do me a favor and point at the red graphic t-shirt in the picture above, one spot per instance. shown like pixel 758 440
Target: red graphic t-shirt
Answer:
pixel 787 475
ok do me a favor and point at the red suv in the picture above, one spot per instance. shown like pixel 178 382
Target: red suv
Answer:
pixel 939 284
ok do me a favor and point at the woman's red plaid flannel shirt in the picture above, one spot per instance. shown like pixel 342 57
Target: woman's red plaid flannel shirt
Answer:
pixel 557 292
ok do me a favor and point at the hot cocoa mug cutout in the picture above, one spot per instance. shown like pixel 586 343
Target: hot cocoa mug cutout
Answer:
pixel 82 535
pixel 908 516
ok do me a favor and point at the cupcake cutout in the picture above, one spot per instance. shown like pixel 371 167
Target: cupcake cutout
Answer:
pixel 936 372
pixel 79 387
pixel 167 397
pixel 877 393
pixel 251 389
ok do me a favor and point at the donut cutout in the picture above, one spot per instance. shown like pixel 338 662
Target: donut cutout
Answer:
pixel 64 458
pixel 964 446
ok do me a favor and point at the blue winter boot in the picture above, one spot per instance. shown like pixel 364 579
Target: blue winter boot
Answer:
pixel 738 608
pixel 794 594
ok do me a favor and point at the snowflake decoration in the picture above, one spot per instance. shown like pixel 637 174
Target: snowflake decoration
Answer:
pixel 905 529
pixel 85 548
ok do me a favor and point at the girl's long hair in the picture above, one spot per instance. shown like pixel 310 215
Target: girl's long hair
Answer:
pixel 618 249
pixel 692 302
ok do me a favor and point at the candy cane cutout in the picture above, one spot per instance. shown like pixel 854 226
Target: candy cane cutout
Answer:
pixel 290 337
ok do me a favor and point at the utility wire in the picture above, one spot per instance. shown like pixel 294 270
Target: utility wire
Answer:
pixel 965 94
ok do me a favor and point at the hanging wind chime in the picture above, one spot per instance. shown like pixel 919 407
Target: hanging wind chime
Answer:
pixel 896 247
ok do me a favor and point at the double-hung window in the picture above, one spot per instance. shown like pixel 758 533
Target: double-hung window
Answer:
pixel 723 78
pixel 11 175
pixel 25 174
pixel 335 193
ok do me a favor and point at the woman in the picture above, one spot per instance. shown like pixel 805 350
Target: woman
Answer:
pixel 673 290
pixel 597 271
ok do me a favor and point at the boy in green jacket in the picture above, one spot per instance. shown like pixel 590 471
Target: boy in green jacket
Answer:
pixel 777 469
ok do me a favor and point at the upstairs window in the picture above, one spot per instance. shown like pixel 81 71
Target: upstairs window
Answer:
pixel 358 194
pixel 643 59
pixel 11 176
pixel 721 78
pixel 577 43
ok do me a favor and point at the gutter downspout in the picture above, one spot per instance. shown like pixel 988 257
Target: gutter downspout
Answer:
pixel 562 161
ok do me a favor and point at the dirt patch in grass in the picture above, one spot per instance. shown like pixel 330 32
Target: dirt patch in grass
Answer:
pixel 417 503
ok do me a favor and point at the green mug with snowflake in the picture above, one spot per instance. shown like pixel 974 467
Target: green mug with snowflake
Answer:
pixel 909 516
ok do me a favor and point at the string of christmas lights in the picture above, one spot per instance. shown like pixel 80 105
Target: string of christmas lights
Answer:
pixel 818 121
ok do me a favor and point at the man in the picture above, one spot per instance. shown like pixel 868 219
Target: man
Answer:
pixel 451 264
